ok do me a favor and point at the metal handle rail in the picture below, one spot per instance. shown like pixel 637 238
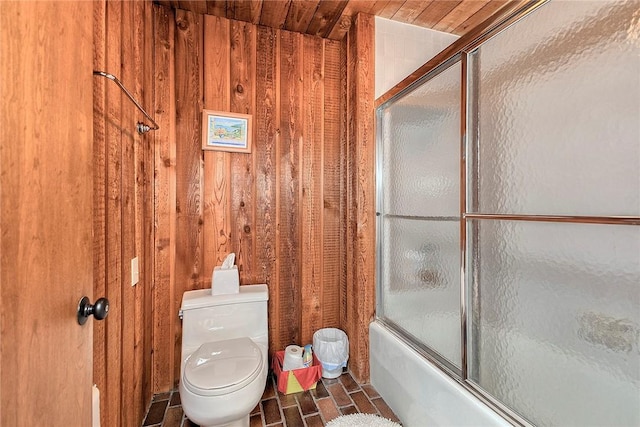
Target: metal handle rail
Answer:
pixel 140 127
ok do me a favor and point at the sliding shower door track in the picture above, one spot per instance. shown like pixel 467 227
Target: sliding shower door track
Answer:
pixel 423 218
pixel 614 220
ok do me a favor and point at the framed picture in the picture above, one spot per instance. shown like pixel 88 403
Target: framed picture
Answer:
pixel 225 131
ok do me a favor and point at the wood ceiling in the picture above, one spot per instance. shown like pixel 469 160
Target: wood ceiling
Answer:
pixel 332 18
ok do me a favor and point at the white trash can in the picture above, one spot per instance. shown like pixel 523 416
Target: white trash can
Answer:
pixel 331 347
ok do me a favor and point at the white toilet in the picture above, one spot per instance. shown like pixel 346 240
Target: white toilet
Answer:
pixel 225 340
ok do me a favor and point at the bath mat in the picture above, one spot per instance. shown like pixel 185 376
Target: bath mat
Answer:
pixel 361 420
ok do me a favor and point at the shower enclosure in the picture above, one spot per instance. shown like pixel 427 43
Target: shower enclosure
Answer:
pixel 509 215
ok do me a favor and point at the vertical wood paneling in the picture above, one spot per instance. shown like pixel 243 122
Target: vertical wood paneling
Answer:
pixel 164 294
pixel 332 207
pixel 128 196
pixel 114 258
pixel 288 289
pixel 311 196
pixel 217 164
pixel 293 210
pixel 242 79
pixel 189 239
pixel 345 187
pixel 148 255
pixel 347 314
pixel 361 136
pixel 352 258
pixel 123 210
pixel 141 71
pixel 267 120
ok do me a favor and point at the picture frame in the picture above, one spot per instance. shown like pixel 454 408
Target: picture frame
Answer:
pixel 225 131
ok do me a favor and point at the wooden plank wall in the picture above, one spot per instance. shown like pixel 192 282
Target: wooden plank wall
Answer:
pixel 361 225
pixel 123 218
pixel 281 208
pixel 163 299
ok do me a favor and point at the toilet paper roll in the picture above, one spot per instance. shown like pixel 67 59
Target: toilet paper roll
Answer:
pixel 292 358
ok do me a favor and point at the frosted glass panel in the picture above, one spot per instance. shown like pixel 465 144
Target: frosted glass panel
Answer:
pixel 556 331
pixel 554 308
pixel 558 112
pixel 421 144
pixel 421 285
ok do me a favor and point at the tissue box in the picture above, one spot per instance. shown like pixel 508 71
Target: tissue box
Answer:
pixel 296 380
pixel 225 281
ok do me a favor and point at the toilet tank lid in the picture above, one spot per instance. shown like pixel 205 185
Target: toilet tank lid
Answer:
pixel 203 298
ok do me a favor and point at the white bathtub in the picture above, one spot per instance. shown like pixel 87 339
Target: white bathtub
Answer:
pixel 419 393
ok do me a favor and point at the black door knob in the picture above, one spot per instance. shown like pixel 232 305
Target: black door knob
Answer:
pixel 99 310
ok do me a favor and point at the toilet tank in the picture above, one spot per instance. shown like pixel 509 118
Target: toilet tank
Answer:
pixel 207 317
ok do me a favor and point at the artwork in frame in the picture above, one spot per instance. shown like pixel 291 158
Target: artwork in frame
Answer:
pixel 224 131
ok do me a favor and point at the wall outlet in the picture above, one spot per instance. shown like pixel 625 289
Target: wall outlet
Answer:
pixel 135 272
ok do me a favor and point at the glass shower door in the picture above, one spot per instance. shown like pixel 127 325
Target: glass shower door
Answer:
pixel 555 331
pixel 420 208
pixel 543 225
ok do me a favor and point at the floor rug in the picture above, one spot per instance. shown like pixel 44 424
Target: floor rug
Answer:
pixel 361 420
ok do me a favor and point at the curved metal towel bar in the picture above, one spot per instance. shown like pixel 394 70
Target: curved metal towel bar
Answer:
pixel 140 127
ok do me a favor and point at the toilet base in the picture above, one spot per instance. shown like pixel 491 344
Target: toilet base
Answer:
pixel 242 422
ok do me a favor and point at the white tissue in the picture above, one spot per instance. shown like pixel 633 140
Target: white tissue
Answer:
pixel 292 358
pixel 225 279
pixel 228 261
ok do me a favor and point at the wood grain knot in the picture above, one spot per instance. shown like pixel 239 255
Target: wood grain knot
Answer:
pixel 182 24
pixel 239 88
pixel 247 229
pixel 345 23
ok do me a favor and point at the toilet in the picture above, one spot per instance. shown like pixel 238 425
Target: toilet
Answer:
pixel 225 341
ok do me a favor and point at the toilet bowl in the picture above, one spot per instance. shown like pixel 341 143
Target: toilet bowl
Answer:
pixel 223 378
pixel 223 381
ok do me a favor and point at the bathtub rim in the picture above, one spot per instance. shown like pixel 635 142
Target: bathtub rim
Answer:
pixel 497 407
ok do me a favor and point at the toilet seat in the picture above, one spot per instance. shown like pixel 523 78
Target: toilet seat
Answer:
pixel 222 367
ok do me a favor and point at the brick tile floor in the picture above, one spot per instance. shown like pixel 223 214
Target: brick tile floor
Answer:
pixel 314 408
